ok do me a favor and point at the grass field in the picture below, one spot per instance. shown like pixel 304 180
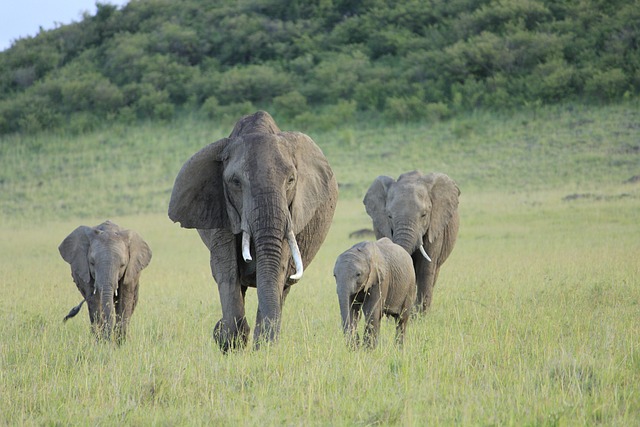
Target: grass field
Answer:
pixel 534 321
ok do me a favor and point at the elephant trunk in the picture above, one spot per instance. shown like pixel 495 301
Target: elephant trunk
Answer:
pixel 293 245
pixel 346 299
pixel 269 229
pixel 269 286
pixel 106 283
pixel 406 238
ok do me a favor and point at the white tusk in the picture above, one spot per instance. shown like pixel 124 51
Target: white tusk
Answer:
pixel 295 253
pixel 246 253
pixel 116 291
pixel 424 253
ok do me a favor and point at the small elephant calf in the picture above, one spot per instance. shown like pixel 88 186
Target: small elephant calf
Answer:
pixel 106 262
pixel 377 277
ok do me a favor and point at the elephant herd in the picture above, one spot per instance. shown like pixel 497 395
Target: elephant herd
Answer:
pixel 262 201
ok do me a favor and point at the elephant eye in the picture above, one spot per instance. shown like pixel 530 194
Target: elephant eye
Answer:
pixel 292 179
pixel 235 181
pixel 423 214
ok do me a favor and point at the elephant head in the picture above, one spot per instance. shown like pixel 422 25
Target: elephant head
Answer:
pixel 413 211
pixel 264 187
pixel 106 260
pixel 356 271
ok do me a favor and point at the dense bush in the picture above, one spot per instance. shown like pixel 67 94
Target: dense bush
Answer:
pixel 401 60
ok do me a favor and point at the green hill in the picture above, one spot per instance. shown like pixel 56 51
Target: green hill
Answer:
pixel 383 59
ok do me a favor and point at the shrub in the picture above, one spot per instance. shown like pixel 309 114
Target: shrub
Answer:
pixel 552 81
pixel 290 104
pixel 329 117
pixel 232 112
pixel 82 122
pixel 253 83
pixel 211 107
pixel 436 111
pixel 606 85
pixel 336 77
pixel 404 109
pixel 151 104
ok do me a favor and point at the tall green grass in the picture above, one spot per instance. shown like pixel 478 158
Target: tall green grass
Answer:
pixel 534 320
pixel 124 171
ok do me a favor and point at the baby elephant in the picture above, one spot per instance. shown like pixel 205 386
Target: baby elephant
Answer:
pixel 106 262
pixel 378 278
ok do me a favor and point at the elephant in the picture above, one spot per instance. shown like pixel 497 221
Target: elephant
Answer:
pixel 420 213
pixel 262 201
pixel 377 278
pixel 106 263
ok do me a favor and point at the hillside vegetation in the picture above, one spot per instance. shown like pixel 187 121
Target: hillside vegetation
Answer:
pixel 125 170
pixel 392 60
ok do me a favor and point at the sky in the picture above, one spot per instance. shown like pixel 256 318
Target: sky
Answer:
pixel 22 18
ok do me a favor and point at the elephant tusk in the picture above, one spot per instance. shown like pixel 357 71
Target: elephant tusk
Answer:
pixel 295 253
pixel 424 253
pixel 246 253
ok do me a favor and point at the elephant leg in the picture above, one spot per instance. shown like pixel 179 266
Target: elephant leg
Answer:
pixel 125 304
pixel 353 339
pixel 232 331
pixel 426 274
pixel 401 325
pixel 93 305
pixel 372 308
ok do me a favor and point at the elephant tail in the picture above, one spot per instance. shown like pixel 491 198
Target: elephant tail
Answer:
pixel 73 311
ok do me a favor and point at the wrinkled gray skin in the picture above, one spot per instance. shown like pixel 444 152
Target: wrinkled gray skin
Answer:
pixel 377 278
pixel 265 185
pixel 417 210
pixel 106 262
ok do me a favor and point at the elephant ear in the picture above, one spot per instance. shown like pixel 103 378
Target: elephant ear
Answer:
pixel 377 261
pixel 375 201
pixel 197 199
pixel 315 180
pixel 74 249
pixel 444 193
pixel 139 255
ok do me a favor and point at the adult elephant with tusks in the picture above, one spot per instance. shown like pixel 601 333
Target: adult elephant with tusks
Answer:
pixel 420 213
pixel 262 201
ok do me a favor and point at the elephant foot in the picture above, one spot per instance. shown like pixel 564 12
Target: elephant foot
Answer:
pixel 267 332
pixel 353 341
pixel 231 335
pixel 421 307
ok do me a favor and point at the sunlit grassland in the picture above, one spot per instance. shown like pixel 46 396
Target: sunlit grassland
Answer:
pixel 534 320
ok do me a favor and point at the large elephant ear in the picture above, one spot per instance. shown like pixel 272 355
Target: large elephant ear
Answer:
pixel 377 263
pixel 444 193
pixel 197 199
pixel 316 184
pixel 74 249
pixel 375 201
pixel 139 255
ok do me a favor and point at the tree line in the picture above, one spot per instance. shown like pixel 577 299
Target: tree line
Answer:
pixel 395 60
